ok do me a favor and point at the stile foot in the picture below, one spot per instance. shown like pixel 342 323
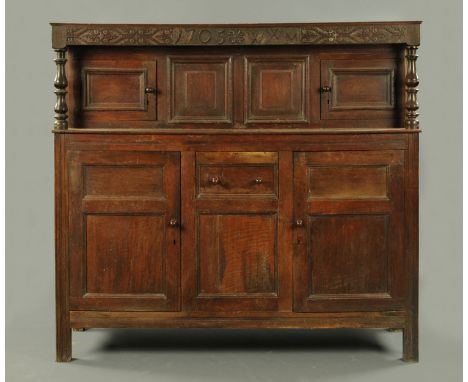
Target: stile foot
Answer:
pixel 64 348
pixel 411 343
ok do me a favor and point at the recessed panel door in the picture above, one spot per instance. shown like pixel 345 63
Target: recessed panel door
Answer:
pixel 200 89
pixel 124 247
pixel 348 236
pixel 358 89
pixel 276 89
pixel 123 90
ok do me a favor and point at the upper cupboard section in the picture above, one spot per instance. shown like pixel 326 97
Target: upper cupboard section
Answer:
pixel 236 87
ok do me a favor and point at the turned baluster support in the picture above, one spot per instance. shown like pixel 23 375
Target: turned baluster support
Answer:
pixel 61 83
pixel 411 87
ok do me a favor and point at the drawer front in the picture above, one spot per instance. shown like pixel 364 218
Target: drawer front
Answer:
pixel 237 174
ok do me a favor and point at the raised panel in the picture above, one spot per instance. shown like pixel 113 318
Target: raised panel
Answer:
pixel 276 89
pixel 124 180
pixel 355 157
pixel 237 254
pixel 115 90
pixel 348 255
pixel 347 182
pixel 200 89
pixel 125 254
pixel 360 89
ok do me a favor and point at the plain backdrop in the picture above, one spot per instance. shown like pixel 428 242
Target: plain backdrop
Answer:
pixel 171 355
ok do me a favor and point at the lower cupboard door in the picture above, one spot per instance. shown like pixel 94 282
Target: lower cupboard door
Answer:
pixel 233 257
pixel 124 239
pixel 237 262
pixel 349 253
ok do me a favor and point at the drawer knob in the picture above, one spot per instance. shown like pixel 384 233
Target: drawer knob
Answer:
pixel 151 90
pixel 299 223
pixel 173 222
pixel 325 89
pixel 258 180
pixel 215 180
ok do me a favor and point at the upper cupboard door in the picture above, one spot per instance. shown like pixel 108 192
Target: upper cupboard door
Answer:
pixel 200 89
pixel 276 89
pixel 118 90
pixel 358 89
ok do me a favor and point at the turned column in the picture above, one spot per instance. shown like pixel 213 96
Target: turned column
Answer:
pixel 61 83
pixel 411 88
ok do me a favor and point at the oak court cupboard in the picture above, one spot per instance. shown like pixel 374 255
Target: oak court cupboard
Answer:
pixel 236 176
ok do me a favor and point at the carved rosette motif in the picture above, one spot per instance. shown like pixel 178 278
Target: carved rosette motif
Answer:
pixel 147 35
pixel 61 83
pixel 411 82
pixel 354 34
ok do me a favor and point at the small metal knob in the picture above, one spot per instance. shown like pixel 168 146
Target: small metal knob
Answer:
pixel 299 223
pixel 215 180
pixel 151 90
pixel 325 89
pixel 258 180
pixel 173 222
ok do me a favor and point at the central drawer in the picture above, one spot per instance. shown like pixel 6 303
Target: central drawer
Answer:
pixel 243 174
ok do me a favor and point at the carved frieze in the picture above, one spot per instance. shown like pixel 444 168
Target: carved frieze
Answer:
pixel 305 34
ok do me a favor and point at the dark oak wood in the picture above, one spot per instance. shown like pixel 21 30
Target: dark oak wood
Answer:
pixel 236 176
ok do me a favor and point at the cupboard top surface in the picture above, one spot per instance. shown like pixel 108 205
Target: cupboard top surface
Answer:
pixel 395 32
